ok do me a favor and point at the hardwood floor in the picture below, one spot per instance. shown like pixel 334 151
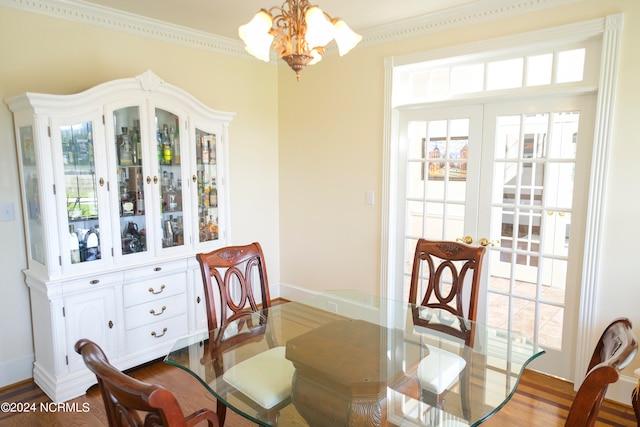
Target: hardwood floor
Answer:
pixel 539 401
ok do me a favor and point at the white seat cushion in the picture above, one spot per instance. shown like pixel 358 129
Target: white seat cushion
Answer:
pixel 264 378
pixel 439 370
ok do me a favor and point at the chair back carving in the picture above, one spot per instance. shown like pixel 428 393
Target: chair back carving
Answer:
pixel 447 267
pixel 125 397
pixel 616 348
pixel 233 269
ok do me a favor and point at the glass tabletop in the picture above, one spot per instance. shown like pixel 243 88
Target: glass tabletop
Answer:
pixel 348 358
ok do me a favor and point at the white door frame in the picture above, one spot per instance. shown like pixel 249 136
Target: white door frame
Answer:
pixel 610 29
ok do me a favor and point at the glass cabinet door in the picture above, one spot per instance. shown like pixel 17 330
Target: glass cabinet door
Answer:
pixel 81 181
pixel 30 181
pixel 131 197
pixel 207 174
pixel 170 176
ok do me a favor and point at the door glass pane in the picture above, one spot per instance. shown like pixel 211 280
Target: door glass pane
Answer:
pixel 415 218
pixel 131 197
pixel 169 167
pixel 533 193
pixel 32 193
pixel 81 192
pixel 207 175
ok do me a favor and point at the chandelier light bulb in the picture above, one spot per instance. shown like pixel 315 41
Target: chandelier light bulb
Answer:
pixel 346 38
pixel 255 34
pixel 319 29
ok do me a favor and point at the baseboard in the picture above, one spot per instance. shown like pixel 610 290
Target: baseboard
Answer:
pixel 295 293
pixel 16 370
pixel 621 390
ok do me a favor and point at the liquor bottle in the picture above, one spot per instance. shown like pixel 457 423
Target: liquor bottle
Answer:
pixel 199 143
pixel 138 141
pixel 159 149
pixel 168 232
pixel 167 151
pixel 126 157
pixel 127 201
pixel 211 229
pixel 212 151
pixel 176 143
pixel 205 150
pixel 74 245
pixel 213 194
pixel 140 202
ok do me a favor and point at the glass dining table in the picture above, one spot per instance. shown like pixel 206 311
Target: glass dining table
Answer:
pixel 352 359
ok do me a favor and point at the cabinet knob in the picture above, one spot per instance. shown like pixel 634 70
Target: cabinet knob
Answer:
pixel 155 179
pixel 198 300
pixel 153 291
pixel 94 282
pixel 110 324
pixel 148 179
pixel 194 178
pixel 154 334
pixel 101 181
pixel 157 269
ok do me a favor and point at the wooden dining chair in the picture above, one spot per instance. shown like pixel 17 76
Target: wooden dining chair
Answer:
pixel 125 397
pixel 635 397
pixel 615 349
pixel 446 277
pixel 233 276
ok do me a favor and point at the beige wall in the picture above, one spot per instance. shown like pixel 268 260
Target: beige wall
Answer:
pixel 303 154
pixel 331 154
pixel 43 54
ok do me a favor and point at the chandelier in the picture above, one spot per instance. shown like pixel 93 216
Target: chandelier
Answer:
pixel 299 33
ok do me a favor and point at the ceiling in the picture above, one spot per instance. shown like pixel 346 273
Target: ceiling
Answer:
pixel 223 17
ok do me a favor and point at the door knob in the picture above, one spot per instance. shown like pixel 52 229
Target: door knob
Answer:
pixel 486 242
pixel 466 239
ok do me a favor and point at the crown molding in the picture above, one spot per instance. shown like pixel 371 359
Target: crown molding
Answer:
pixel 456 17
pixel 91 14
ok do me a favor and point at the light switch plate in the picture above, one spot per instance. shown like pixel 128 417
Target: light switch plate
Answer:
pixel 370 197
pixel 7 212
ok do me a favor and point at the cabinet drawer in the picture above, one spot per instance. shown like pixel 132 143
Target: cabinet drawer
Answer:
pixel 154 289
pixel 158 333
pixel 156 270
pixel 89 282
pixel 155 311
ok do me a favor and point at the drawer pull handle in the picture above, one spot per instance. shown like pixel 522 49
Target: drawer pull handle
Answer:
pixel 159 292
pixel 152 311
pixel 94 282
pixel 157 269
pixel 164 331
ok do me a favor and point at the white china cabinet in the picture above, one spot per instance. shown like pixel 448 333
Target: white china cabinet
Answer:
pixel 122 185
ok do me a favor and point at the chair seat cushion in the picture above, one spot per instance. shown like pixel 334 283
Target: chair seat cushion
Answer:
pixel 439 370
pixel 264 378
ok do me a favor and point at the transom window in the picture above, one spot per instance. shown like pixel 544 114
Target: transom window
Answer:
pixel 470 75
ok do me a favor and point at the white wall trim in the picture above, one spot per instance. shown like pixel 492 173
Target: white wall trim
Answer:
pixel 610 27
pixel 96 15
pixel 588 327
pixel 15 370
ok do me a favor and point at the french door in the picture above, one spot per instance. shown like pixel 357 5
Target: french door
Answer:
pixel 514 177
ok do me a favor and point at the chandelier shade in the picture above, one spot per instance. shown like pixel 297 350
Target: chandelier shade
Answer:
pixel 299 33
